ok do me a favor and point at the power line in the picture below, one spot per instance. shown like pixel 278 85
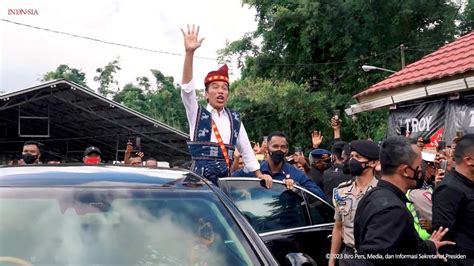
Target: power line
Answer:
pixel 334 63
pixel 177 54
pixel 101 41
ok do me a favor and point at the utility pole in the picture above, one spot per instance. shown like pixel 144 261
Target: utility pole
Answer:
pixel 402 54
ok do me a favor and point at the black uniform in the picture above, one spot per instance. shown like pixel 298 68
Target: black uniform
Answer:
pixel 332 178
pixel 316 175
pixel 384 228
pixel 453 207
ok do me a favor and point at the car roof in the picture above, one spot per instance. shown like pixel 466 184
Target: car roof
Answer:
pixel 48 175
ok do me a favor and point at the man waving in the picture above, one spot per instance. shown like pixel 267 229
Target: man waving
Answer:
pixel 215 130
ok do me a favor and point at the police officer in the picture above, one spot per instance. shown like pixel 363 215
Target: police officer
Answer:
pixel 363 159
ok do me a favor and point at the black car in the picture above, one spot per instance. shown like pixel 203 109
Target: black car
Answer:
pixel 112 215
pixel 288 221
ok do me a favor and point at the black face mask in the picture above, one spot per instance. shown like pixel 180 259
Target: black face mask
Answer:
pixel 356 167
pixel 29 158
pixel 345 167
pixel 417 177
pixel 277 156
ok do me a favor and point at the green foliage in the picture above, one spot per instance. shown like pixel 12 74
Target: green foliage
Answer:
pixel 467 18
pixel 162 102
pixel 106 79
pixel 305 56
pixel 278 105
pixel 65 72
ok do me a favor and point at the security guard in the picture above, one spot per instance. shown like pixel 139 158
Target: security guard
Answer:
pixel 383 227
pixel 364 157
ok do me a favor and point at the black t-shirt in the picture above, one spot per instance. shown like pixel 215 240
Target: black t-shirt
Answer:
pixel 453 207
pixel 383 227
pixel 332 177
pixel 316 175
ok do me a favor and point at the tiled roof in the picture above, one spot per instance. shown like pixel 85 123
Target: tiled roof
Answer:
pixel 453 58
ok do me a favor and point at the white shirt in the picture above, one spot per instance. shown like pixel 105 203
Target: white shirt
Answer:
pixel 188 94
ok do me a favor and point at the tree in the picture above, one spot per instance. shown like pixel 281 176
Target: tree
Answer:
pixel 65 72
pixel 166 101
pixel 133 97
pixel 162 102
pixel 467 18
pixel 321 45
pixel 105 77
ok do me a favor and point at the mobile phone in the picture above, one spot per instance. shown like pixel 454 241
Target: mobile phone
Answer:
pixel 443 165
pixel 459 134
pixel 265 138
pixel 337 114
pixel 298 150
pixel 138 144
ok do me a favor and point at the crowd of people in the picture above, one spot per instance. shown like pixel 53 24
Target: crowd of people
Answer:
pixel 32 153
pixel 397 202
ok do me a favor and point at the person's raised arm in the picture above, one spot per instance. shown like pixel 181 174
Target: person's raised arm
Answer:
pixel 188 92
pixel 191 43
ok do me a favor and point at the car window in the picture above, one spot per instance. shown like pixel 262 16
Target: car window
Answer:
pixel 320 212
pixel 268 209
pixel 63 226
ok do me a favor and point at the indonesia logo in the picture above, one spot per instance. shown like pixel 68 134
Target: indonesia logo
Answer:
pixel 19 12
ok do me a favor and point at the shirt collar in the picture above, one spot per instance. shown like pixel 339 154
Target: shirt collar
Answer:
pixel 212 110
pixel 464 179
pixel 372 184
pixel 389 186
pixel 264 167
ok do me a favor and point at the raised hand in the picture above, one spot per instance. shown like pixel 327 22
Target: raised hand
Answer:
pixel 336 123
pixel 191 38
pixel 316 138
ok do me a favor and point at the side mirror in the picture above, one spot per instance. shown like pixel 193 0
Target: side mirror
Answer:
pixel 299 259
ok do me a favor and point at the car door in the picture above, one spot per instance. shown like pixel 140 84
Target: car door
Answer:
pixel 287 220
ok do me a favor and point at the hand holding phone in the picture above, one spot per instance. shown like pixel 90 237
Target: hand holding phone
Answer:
pixel 439 176
pixel 443 164
pixel 298 151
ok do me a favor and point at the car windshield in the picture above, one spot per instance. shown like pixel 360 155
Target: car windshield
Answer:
pixel 79 226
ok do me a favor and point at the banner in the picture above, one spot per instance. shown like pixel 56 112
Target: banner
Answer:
pixel 425 119
pixel 461 118
pixel 436 120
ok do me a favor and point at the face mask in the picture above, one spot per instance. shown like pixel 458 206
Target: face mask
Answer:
pixel 92 160
pixel 29 158
pixel 417 177
pixel 356 167
pixel 277 156
pixel 345 167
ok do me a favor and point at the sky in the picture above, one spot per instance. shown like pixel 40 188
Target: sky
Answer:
pixel 26 53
